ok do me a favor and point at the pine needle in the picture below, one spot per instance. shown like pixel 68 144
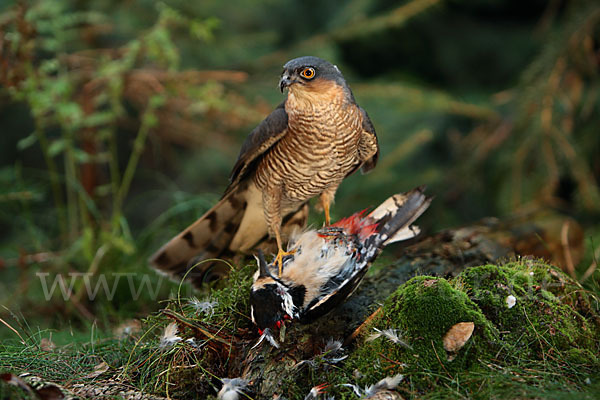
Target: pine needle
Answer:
pixel 13 329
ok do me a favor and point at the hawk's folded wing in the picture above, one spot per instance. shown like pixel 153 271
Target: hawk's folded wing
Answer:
pixel 368 143
pixel 259 141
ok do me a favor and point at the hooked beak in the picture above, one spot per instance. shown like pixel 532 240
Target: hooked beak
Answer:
pixel 285 81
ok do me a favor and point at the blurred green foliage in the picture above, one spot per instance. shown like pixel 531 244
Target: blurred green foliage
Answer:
pixel 120 120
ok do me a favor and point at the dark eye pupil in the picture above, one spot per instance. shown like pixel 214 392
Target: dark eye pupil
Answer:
pixel 308 72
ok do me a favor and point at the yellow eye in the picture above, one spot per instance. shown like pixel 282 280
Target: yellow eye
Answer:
pixel 308 73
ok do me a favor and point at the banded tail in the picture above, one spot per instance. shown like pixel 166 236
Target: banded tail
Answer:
pixel 235 224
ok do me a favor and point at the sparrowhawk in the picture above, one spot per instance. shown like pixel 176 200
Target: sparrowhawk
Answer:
pixel 315 138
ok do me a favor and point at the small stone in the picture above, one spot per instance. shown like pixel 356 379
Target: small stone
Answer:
pixel 128 328
pixel 47 345
pixel 511 301
pixel 98 370
pixel 457 336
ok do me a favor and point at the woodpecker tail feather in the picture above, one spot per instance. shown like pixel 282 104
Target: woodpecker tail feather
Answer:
pixel 395 216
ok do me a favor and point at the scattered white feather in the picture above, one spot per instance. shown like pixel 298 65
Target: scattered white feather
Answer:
pixel 335 360
pixel 332 346
pixel 169 336
pixel 310 363
pixel 332 354
pixel 511 301
pixel 232 388
pixel 269 336
pixel 392 334
pixel 204 307
pixel 357 391
pixel 387 383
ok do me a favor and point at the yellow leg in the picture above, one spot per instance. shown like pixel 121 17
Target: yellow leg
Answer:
pixel 326 202
pixel 281 253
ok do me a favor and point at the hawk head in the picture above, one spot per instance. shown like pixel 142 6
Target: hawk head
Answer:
pixel 310 74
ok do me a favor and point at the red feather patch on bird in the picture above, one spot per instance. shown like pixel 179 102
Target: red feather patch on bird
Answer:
pixel 357 224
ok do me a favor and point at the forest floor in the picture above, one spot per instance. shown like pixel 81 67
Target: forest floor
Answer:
pixel 535 333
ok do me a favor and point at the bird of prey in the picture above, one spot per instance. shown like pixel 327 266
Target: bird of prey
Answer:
pixel 314 139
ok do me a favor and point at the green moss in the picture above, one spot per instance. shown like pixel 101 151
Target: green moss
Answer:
pixel 551 329
pixel 424 309
pixel 548 314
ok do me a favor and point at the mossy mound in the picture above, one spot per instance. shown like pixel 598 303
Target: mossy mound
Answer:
pixel 536 308
pixel 423 310
pixel 527 314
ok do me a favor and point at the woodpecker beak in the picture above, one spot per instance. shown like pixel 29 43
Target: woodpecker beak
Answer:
pixel 263 271
pixel 285 81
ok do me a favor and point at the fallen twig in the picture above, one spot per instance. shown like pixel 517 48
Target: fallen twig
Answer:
pixel 357 331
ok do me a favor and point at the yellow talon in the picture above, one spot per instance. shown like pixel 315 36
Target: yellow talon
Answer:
pixel 279 258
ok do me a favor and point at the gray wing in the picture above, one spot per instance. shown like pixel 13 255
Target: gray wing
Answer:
pixel 368 143
pixel 259 141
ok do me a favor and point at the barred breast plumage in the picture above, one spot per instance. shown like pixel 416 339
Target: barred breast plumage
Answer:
pixel 319 150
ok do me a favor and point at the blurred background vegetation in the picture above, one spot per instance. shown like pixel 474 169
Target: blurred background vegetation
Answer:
pixel 120 121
